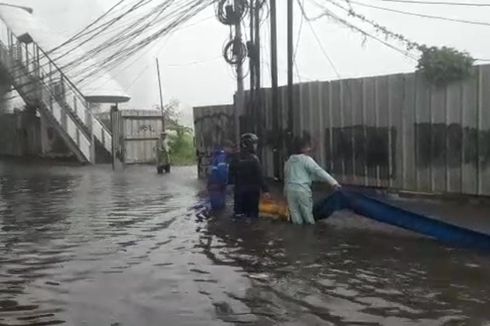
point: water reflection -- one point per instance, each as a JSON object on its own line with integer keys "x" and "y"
{"x": 85, "y": 246}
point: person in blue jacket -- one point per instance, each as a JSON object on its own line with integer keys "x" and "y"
{"x": 218, "y": 176}
{"x": 299, "y": 172}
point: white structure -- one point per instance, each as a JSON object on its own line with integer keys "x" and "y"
{"x": 43, "y": 83}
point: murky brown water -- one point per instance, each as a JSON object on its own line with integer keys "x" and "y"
{"x": 85, "y": 246}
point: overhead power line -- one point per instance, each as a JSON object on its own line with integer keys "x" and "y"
{"x": 444, "y": 3}
{"x": 87, "y": 28}
{"x": 320, "y": 45}
{"x": 144, "y": 28}
{"x": 409, "y": 13}
{"x": 328, "y": 13}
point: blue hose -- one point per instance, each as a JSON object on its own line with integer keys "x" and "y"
{"x": 385, "y": 213}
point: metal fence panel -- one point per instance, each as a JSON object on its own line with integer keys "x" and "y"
{"x": 395, "y": 131}
{"x": 214, "y": 125}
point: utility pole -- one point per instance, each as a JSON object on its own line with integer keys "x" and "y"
{"x": 161, "y": 95}
{"x": 254, "y": 101}
{"x": 275, "y": 94}
{"x": 240, "y": 94}
{"x": 258, "y": 97}
{"x": 251, "y": 47}
{"x": 290, "y": 74}
{"x": 258, "y": 8}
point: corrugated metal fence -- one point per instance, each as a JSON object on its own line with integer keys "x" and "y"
{"x": 213, "y": 126}
{"x": 394, "y": 131}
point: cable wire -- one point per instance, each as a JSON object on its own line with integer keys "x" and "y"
{"x": 322, "y": 48}
{"x": 409, "y": 13}
{"x": 444, "y": 3}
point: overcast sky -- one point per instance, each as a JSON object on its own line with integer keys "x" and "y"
{"x": 194, "y": 73}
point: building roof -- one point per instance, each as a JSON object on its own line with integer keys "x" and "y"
{"x": 100, "y": 87}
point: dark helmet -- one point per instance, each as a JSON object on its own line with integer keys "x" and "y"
{"x": 248, "y": 142}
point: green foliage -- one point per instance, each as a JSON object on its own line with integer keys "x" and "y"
{"x": 442, "y": 66}
{"x": 183, "y": 151}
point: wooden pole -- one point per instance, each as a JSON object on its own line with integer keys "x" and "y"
{"x": 161, "y": 95}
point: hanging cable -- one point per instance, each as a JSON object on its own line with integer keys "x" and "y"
{"x": 444, "y": 3}
{"x": 87, "y": 28}
{"x": 409, "y": 13}
{"x": 328, "y": 13}
{"x": 229, "y": 14}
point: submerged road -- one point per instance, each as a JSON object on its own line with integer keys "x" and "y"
{"x": 86, "y": 246}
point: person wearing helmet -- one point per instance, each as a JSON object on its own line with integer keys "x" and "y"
{"x": 246, "y": 175}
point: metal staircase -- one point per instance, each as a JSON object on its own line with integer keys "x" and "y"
{"x": 43, "y": 85}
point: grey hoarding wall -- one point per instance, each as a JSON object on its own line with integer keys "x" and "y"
{"x": 394, "y": 131}
{"x": 213, "y": 126}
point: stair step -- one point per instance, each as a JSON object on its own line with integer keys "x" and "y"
{"x": 51, "y": 93}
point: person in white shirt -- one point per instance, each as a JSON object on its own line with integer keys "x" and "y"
{"x": 300, "y": 171}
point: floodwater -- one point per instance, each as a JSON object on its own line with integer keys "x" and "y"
{"x": 85, "y": 246}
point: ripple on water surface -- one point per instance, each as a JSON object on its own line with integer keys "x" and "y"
{"x": 86, "y": 246}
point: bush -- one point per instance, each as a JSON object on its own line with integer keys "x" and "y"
{"x": 442, "y": 66}
{"x": 183, "y": 151}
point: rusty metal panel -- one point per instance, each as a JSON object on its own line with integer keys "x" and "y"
{"x": 213, "y": 126}
{"x": 267, "y": 157}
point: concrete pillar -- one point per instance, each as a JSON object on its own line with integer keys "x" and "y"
{"x": 45, "y": 145}
{"x": 30, "y": 132}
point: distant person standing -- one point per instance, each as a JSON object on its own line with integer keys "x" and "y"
{"x": 300, "y": 171}
{"x": 163, "y": 153}
{"x": 246, "y": 175}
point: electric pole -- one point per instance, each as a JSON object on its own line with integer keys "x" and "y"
{"x": 253, "y": 46}
{"x": 240, "y": 94}
{"x": 290, "y": 75}
{"x": 251, "y": 59}
{"x": 256, "y": 55}
{"x": 275, "y": 91}
{"x": 161, "y": 95}
{"x": 234, "y": 51}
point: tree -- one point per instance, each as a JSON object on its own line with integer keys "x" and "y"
{"x": 444, "y": 65}
{"x": 181, "y": 144}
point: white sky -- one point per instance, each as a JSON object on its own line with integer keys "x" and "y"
{"x": 194, "y": 73}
